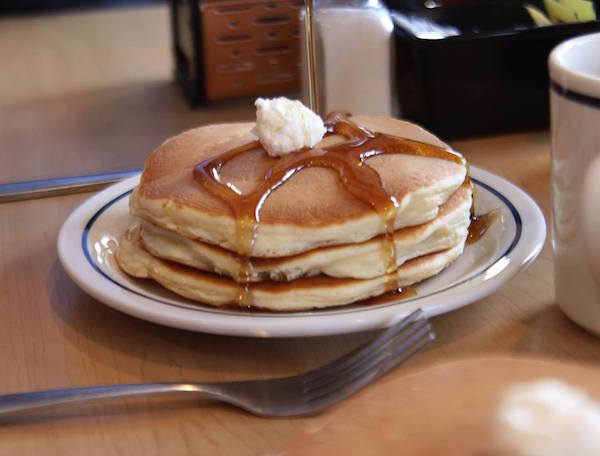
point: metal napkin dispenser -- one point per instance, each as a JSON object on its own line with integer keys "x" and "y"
{"x": 243, "y": 48}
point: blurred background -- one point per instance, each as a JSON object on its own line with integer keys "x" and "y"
{"x": 93, "y": 86}
{"x": 89, "y": 88}
{"x": 20, "y": 7}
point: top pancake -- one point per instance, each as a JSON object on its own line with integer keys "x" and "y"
{"x": 310, "y": 210}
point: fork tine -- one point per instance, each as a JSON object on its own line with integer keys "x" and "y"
{"x": 328, "y": 400}
{"x": 374, "y": 353}
{"x": 394, "y": 354}
{"x": 398, "y": 358}
{"x": 365, "y": 351}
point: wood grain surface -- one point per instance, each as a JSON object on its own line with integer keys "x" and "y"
{"x": 91, "y": 92}
{"x": 437, "y": 410}
{"x": 53, "y": 335}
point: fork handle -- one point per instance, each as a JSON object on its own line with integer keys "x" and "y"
{"x": 15, "y": 404}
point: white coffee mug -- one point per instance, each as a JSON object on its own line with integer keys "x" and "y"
{"x": 575, "y": 112}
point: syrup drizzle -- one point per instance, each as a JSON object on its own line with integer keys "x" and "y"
{"x": 347, "y": 159}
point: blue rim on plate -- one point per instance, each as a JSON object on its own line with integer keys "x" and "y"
{"x": 205, "y": 308}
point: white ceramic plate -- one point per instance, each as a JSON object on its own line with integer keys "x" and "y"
{"x": 89, "y": 236}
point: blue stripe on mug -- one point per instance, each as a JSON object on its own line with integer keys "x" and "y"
{"x": 577, "y": 97}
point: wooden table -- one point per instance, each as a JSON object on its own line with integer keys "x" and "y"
{"x": 66, "y": 118}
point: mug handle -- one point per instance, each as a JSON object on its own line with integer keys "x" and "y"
{"x": 590, "y": 218}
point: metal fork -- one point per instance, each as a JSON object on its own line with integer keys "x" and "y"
{"x": 303, "y": 394}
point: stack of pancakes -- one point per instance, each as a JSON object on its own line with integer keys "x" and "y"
{"x": 316, "y": 245}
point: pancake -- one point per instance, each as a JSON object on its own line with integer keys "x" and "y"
{"x": 361, "y": 261}
{"x": 311, "y": 210}
{"x": 302, "y": 294}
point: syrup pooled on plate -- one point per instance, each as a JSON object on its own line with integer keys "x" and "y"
{"x": 479, "y": 225}
{"x": 347, "y": 159}
{"x": 391, "y": 296}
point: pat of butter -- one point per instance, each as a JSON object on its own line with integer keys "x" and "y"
{"x": 284, "y": 126}
{"x": 547, "y": 417}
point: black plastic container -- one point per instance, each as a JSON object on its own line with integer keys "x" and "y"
{"x": 492, "y": 77}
